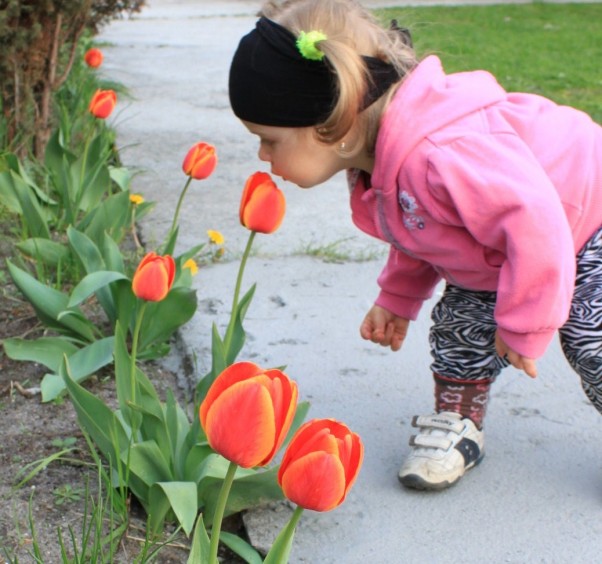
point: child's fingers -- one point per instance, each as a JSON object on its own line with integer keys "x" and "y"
{"x": 529, "y": 367}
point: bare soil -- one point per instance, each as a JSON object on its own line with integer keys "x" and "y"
{"x": 31, "y": 431}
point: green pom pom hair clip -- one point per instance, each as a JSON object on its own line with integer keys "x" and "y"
{"x": 306, "y": 43}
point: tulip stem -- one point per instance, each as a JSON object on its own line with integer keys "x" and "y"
{"x": 234, "y": 312}
{"x": 292, "y": 524}
{"x": 280, "y": 551}
{"x": 179, "y": 204}
{"x": 219, "y": 511}
{"x": 134, "y": 352}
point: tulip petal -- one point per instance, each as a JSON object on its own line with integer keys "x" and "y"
{"x": 240, "y": 424}
{"x": 200, "y": 161}
{"x": 351, "y": 452}
{"x": 312, "y": 435}
{"x": 151, "y": 282}
{"x": 315, "y": 481}
{"x": 234, "y": 373}
{"x": 154, "y": 277}
{"x": 252, "y": 182}
{"x": 265, "y": 209}
{"x": 284, "y": 399}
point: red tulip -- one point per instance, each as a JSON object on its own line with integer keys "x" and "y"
{"x": 154, "y": 277}
{"x": 93, "y": 57}
{"x": 200, "y": 161}
{"x": 248, "y": 412}
{"x": 262, "y": 205}
{"x": 102, "y": 103}
{"x": 320, "y": 464}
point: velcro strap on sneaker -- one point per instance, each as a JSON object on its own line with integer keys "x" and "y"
{"x": 430, "y": 441}
{"x": 436, "y": 422}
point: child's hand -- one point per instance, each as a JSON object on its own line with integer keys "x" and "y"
{"x": 527, "y": 365}
{"x": 385, "y": 328}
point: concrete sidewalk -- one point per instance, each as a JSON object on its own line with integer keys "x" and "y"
{"x": 537, "y": 497}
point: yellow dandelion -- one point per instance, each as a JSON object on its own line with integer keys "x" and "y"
{"x": 215, "y": 237}
{"x": 192, "y": 265}
{"x": 136, "y": 199}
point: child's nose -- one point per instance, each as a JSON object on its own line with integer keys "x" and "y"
{"x": 263, "y": 154}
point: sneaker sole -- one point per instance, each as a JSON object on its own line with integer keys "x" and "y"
{"x": 416, "y": 482}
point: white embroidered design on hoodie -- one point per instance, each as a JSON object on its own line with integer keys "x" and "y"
{"x": 411, "y": 220}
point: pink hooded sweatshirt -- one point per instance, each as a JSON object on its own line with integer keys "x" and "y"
{"x": 487, "y": 189}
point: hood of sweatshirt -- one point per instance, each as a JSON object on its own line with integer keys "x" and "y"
{"x": 426, "y": 101}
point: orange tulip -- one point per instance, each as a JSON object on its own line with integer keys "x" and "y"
{"x": 154, "y": 277}
{"x": 247, "y": 413}
{"x": 262, "y": 205}
{"x": 103, "y": 103}
{"x": 320, "y": 464}
{"x": 93, "y": 57}
{"x": 200, "y": 161}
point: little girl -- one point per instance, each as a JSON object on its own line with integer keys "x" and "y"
{"x": 497, "y": 193}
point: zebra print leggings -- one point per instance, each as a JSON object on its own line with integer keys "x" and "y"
{"x": 462, "y": 337}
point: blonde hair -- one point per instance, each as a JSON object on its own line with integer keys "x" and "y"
{"x": 351, "y": 31}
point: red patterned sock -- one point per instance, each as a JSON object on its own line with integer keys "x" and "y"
{"x": 464, "y": 397}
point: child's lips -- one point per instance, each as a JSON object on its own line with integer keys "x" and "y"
{"x": 278, "y": 174}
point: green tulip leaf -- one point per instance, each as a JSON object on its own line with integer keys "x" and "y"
{"x": 201, "y": 545}
{"x": 96, "y": 181}
{"x": 92, "y": 260}
{"x": 111, "y": 216}
{"x": 197, "y": 460}
{"x": 97, "y": 419}
{"x": 56, "y": 155}
{"x": 111, "y": 253}
{"x": 7, "y": 192}
{"x": 91, "y": 283}
{"x": 241, "y": 547}
{"x": 83, "y": 363}
{"x": 249, "y": 489}
{"x": 49, "y": 303}
{"x": 148, "y": 463}
{"x": 164, "y": 317}
{"x": 121, "y": 176}
{"x": 44, "y": 251}
{"x": 170, "y": 244}
{"x": 218, "y": 364}
{"x": 30, "y": 209}
{"x": 48, "y": 351}
{"x": 86, "y": 250}
{"x": 180, "y": 497}
{"x": 178, "y": 428}
{"x": 238, "y": 333}
{"x": 125, "y": 382}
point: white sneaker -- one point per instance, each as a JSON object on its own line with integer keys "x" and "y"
{"x": 446, "y": 446}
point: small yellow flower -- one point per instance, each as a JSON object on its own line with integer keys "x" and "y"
{"x": 136, "y": 199}
{"x": 192, "y": 265}
{"x": 215, "y": 237}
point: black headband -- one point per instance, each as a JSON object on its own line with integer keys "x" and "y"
{"x": 271, "y": 83}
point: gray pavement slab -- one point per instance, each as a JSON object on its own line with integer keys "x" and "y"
{"x": 536, "y": 497}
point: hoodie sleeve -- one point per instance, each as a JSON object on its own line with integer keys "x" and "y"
{"x": 493, "y": 186}
{"x": 405, "y": 283}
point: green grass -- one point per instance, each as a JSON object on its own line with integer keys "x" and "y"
{"x": 549, "y": 49}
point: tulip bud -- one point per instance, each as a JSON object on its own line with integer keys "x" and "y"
{"x": 93, "y": 57}
{"x": 248, "y": 412}
{"x": 320, "y": 464}
{"x": 154, "y": 277}
{"x": 200, "y": 161}
{"x": 103, "y": 103}
{"x": 262, "y": 205}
